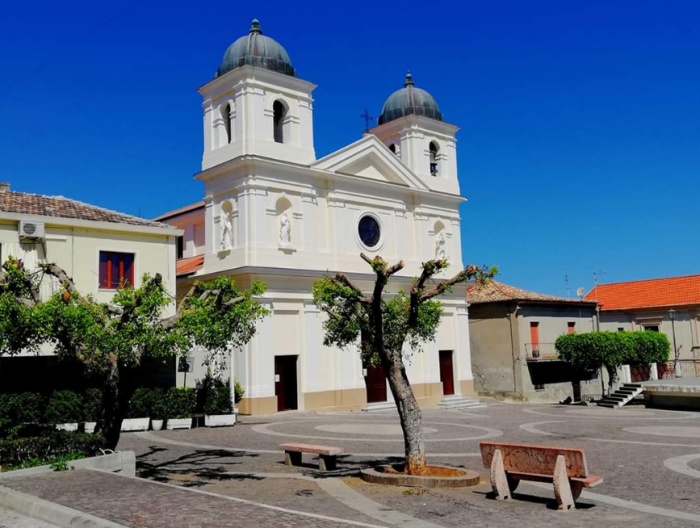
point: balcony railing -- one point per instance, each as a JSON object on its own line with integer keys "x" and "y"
{"x": 540, "y": 352}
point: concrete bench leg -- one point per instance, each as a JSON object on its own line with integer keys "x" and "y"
{"x": 292, "y": 458}
{"x": 562, "y": 487}
{"x": 499, "y": 479}
{"x": 326, "y": 462}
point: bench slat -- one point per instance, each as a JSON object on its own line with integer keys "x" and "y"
{"x": 535, "y": 459}
{"x": 311, "y": 448}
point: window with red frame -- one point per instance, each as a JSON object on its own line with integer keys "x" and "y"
{"x": 116, "y": 270}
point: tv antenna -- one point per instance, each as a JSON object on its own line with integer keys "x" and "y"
{"x": 566, "y": 282}
{"x": 596, "y": 274}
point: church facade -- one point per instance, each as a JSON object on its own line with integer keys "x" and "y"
{"x": 274, "y": 211}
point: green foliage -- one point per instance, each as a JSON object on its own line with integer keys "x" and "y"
{"x": 92, "y": 405}
{"x": 24, "y": 408}
{"x": 214, "y": 396}
{"x": 16, "y": 451}
{"x": 64, "y": 407}
{"x": 592, "y": 351}
{"x": 140, "y": 403}
{"x": 238, "y": 391}
{"x": 60, "y": 463}
{"x": 181, "y": 402}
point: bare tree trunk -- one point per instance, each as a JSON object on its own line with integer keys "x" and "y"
{"x": 409, "y": 414}
{"x": 115, "y": 402}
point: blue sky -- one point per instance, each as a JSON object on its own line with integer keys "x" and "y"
{"x": 579, "y": 147}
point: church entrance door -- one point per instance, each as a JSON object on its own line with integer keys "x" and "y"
{"x": 447, "y": 375}
{"x": 286, "y": 383}
{"x": 375, "y": 381}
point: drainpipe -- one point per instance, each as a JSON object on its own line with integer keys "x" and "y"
{"x": 512, "y": 319}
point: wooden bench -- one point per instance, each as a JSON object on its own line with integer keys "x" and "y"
{"x": 326, "y": 454}
{"x": 563, "y": 466}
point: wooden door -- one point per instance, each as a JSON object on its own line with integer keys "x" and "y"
{"x": 286, "y": 383}
{"x": 375, "y": 382}
{"x": 447, "y": 375}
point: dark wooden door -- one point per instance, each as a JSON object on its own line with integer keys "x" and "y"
{"x": 447, "y": 375}
{"x": 375, "y": 381}
{"x": 286, "y": 382}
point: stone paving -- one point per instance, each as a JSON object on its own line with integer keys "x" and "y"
{"x": 649, "y": 459}
{"x": 11, "y": 519}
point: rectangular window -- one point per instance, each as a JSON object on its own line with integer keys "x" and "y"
{"x": 535, "y": 339}
{"x": 651, "y": 328}
{"x": 571, "y": 327}
{"x": 180, "y": 247}
{"x": 620, "y": 329}
{"x": 116, "y": 270}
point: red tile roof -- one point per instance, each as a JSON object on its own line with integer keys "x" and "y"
{"x": 495, "y": 291}
{"x": 181, "y": 210}
{"x": 60, "y": 207}
{"x": 189, "y": 265}
{"x": 652, "y": 293}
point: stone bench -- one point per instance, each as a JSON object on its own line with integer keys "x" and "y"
{"x": 563, "y": 466}
{"x": 326, "y": 454}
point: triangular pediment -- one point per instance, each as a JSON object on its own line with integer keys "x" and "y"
{"x": 370, "y": 158}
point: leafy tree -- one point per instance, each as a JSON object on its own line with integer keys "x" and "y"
{"x": 383, "y": 325}
{"x": 114, "y": 339}
{"x": 595, "y": 350}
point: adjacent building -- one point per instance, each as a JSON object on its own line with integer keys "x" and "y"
{"x": 100, "y": 249}
{"x": 670, "y": 305}
{"x": 274, "y": 211}
{"x": 512, "y": 334}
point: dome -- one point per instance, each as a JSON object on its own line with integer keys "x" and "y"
{"x": 409, "y": 100}
{"x": 258, "y": 50}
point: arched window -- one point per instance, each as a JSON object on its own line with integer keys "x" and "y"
{"x": 279, "y": 113}
{"x": 226, "y": 114}
{"x": 433, "y": 158}
{"x": 392, "y": 148}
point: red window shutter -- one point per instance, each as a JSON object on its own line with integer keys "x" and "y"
{"x": 128, "y": 275}
{"x": 571, "y": 328}
{"x": 535, "y": 335}
{"x": 104, "y": 269}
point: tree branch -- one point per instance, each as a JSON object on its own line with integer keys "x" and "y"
{"x": 342, "y": 279}
{"x": 464, "y": 275}
{"x": 395, "y": 268}
{"x": 56, "y": 271}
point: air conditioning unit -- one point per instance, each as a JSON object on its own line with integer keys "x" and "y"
{"x": 31, "y": 230}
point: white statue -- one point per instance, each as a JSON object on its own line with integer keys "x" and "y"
{"x": 285, "y": 230}
{"x": 440, "y": 246}
{"x": 226, "y": 230}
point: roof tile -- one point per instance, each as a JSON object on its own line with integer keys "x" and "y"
{"x": 651, "y": 293}
{"x": 494, "y": 291}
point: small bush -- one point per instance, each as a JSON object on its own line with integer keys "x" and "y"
{"x": 92, "y": 405}
{"x": 180, "y": 402}
{"x": 157, "y": 404}
{"x": 24, "y": 408}
{"x": 214, "y": 396}
{"x": 139, "y": 403}
{"x": 238, "y": 391}
{"x": 64, "y": 407}
{"x": 19, "y": 450}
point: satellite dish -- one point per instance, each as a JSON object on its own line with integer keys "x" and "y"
{"x": 580, "y": 292}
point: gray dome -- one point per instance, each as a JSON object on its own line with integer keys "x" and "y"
{"x": 409, "y": 100}
{"x": 258, "y": 50}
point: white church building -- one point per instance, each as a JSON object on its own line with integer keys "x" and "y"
{"x": 274, "y": 211}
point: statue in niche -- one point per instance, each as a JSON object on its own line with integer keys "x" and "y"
{"x": 226, "y": 230}
{"x": 285, "y": 230}
{"x": 440, "y": 243}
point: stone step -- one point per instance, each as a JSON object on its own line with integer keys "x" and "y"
{"x": 608, "y": 405}
{"x": 632, "y": 385}
{"x": 460, "y": 402}
{"x": 380, "y": 406}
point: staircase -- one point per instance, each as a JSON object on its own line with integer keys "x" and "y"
{"x": 460, "y": 402}
{"x": 621, "y": 396}
{"x": 380, "y": 406}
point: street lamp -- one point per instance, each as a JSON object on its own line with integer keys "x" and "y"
{"x": 672, "y": 315}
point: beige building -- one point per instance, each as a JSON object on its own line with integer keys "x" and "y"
{"x": 100, "y": 249}
{"x": 512, "y": 334}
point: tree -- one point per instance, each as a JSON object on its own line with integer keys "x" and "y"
{"x": 591, "y": 351}
{"x": 113, "y": 340}
{"x": 383, "y": 325}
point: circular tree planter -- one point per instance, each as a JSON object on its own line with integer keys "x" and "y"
{"x": 438, "y": 477}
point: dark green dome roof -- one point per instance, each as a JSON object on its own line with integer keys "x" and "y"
{"x": 258, "y": 50}
{"x": 409, "y": 100}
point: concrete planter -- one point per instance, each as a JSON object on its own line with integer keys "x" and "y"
{"x": 67, "y": 426}
{"x": 179, "y": 423}
{"x": 157, "y": 425}
{"x": 89, "y": 427}
{"x": 219, "y": 420}
{"x": 135, "y": 424}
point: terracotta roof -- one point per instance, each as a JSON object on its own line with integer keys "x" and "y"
{"x": 189, "y": 265}
{"x": 495, "y": 291}
{"x": 651, "y": 293}
{"x": 181, "y": 210}
{"x": 60, "y": 207}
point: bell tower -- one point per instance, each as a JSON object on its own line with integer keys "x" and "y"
{"x": 412, "y": 127}
{"x": 256, "y": 105}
